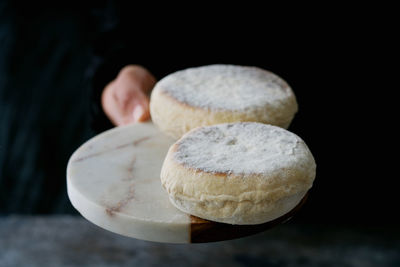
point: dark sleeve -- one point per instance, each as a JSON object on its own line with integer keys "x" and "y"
{"x": 109, "y": 53}
{"x": 117, "y": 40}
{"x": 103, "y": 70}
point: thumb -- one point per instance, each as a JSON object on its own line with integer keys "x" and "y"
{"x": 141, "y": 110}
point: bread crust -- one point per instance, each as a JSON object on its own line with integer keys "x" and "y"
{"x": 176, "y": 117}
{"x": 233, "y": 197}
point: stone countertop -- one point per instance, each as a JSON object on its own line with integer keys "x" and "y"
{"x": 73, "y": 241}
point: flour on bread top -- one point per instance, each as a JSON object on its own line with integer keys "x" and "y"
{"x": 242, "y": 148}
{"x": 226, "y": 87}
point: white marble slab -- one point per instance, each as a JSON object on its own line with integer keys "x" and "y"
{"x": 113, "y": 181}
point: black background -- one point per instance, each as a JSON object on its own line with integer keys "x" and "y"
{"x": 328, "y": 56}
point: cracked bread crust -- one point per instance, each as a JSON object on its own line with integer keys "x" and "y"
{"x": 242, "y": 194}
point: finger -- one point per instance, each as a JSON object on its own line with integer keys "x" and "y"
{"x": 110, "y": 105}
{"x": 124, "y": 100}
{"x": 135, "y": 107}
{"x": 141, "y": 111}
{"x": 136, "y": 74}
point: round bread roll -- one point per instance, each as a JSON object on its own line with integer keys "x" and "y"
{"x": 238, "y": 173}
{"x": 219, "y": 94}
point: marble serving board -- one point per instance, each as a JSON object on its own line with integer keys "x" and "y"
{"x": 113, "y": 180}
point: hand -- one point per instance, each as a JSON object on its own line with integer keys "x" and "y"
{"x": 124, "y": 100}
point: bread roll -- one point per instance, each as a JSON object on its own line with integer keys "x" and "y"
{"x": 238, "y": 173}
{"x": 219, "y": 94}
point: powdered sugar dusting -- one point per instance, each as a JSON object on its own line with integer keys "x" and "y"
{"x": 244, "y": 148}
{"x": 227, "y": 87}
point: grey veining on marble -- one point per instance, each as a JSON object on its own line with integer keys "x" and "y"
{"x": 73, "y": 241}
{"x": 114, "y": 181}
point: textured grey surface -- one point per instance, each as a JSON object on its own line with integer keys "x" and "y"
{"x": 73, "y": 241}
